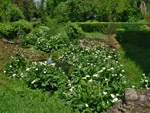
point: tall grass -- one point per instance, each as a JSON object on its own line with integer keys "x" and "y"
{"x": 15, "y": 97}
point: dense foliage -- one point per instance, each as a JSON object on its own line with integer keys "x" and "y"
{"x": 37, "y": 75}
{"x": 15, "y": 29}
{"x": 14, "y": 13}
{"x": 46, "y": 41}
{"x": 74, "y": 31}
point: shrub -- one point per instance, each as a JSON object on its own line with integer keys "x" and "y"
{"x": 138, "y": 38}
{"x": 16, "y": 29}
{"x": 45, "y": 40}
{"x": 21, "y": 28}
{"x": 14, "y": 13}
{"x": 103, "y": 26}
{"x": 74, "y": 31}
{"x": 6, "y": 30}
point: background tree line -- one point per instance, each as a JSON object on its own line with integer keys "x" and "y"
{"x": 71, "y": 10}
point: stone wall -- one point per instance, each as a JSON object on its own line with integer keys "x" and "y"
{"x": 135, "y": 101}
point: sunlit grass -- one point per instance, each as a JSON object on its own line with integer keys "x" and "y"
{"x": 15, "y": 97}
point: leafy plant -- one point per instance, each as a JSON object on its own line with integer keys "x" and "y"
{"x": 5, "y": 30}
{"x": 36, "y": 75}
{"x": 14, "y": 13}
{"x": 21, "y": 28}
{"x": 74, "y": 31}
{"x": 95, "y": 80}
{"x": 45, "y": 41}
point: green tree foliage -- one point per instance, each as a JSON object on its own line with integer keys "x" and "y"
{"x": 28, "y": 8}
{"x": 96, "y": 10}
{"x": 3, "y": 9}
{"x": 14, "y": 13}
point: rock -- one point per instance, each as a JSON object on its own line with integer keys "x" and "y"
{"x": 130, "y": 94}
{"x": 135, "y": 101}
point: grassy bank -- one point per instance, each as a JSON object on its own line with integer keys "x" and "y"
{"x": 15, "y": 97}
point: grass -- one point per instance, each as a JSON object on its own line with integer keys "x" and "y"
{"x": 134, "y": 52}
{"x": 15, "y": 97}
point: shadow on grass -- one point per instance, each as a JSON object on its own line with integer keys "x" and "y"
{"x": 136, "y": 45}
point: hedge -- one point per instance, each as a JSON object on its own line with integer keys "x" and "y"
{"x": 138, "y": 38}
{"x": 105, "y": 27}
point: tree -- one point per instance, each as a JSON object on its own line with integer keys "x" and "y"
{"x": 3, "y": 9}
{"x": 27, "y": 6}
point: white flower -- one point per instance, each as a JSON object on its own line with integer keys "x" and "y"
{"x": 112, "y": 68}
{"x": 121, "y": 75}
{"x": 69, "y": 84}
{"x": 106, "y": 79}
{"x": 114, "y": 100}
{"x": 125, "y": 82}
{"x": 95, "y": 75}
{"x": 143, "y": 74}
{"x": 146, "y": 80}
{"x": 104, "y": 68}
{"x": 105, "y": 93}
{"x": 90, "y": 80}
{"x": 33, "y": 81}
{"x": 36, "y": 69}
{"x": 87, "y": 76}
{"x": 109, "y": 56}
{"x": 117, "y": 94}
{"x": 28, "y": 69}
{"x": 79, "y": 66}
{"x": 100, "y": 71}
{"x": 4, "y": 71}
{"x": 87, "y": 105}
{"x": 44, "y": 72}
{"x": 133, "y": 86}
{"x": 84, "y": 77}
{"x": 52, "y": 64}
{"x": 72, "y": 89}
{"x": 112, "y": 95}
{"x": 122, "y": 71}
{"x": 10, "y": 66}
{"x": 14, "y": 75}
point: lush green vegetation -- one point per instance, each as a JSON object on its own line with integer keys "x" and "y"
{"x": 16, "y": 97}
{"x": 86, "y": 71}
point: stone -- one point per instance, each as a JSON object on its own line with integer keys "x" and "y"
{"x": 135, "y": 101}
{"x": 130, "y": 94}
{"x": 142, "y": 98}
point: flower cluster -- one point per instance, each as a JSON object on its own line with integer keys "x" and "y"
{"x": 145, "y": 82}
{"x": 39, "y": 75}
{"x": 44, "y": 41}
{"x": 96, "y": 78}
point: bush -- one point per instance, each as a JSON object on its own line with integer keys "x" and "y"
{"x": 21, "y": 28}
{"x": 14, "y": 13}
{"x": 102, "y": 26}
{"x": 45, "y": 40}
{"x": 16, "y": 29}
{"x": 138, "y": 38}
{"x": 74, "y": 31}
{"x": 6, "y": 30}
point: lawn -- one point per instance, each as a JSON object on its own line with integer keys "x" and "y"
{"x": 16, "y": 97}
